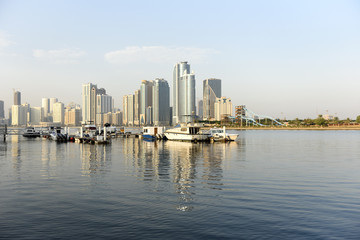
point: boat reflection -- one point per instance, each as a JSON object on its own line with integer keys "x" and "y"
{"x": 187, "y": 165}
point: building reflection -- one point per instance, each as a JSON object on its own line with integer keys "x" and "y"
{"x": 187, "y": 165}
{"x": 149, "y": 159}
{"x": 16, "y": 153}
{"x": 95, "y": 159}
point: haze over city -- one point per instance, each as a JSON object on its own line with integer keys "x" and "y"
{"x": 279, "y": 58}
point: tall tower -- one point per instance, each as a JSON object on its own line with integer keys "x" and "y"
{"x": 89, "y": 92}
{"x": 161, "y": 102}
{"x": 184, "y": 105}
{"x": 145, "y": 100}
{"x": 45, "y": 104}
{"x": 17, "y": 98}
{"x": 52, "y": 101}
{"x": 211, "y": 91}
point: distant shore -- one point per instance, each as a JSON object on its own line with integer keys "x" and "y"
{"x": 297, "y": 128}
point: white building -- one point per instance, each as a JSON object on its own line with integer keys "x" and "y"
{"x": 52, "y": 101}
{"x": 19, "y": 114}
{"x": 58, "y": 113}
{"x": 45, "y": 104}
{"x": 223, "y": 108}
{"x": 184, "y": 104}
{"x": 128, "y": 106}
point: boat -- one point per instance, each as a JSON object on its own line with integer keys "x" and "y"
{"x": 56, "y": 135}
{"x": 187, "y": 132}
{"x": 220, "y": 134}
{"x": 153, "y": 133}
{"x": 30, "y": 132}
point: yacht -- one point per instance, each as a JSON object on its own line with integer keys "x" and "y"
{"x": 187, "y": 132}
{"x": 30, "y": 132}
{"x": 56, "y": 135}
{"x": 219, "y": 134}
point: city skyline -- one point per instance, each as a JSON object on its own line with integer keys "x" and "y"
{"x": 283, "y": 59}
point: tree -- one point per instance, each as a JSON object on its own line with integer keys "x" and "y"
{"x": 358, "y": 119}
{"x": 321, "y": 121}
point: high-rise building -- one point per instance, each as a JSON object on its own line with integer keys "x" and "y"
{"x": 184, "y": 106}
{"x": 128, "y": 106}
{"x": 200, "y": 109}
{"x": 104, "y": 103}
{"x": 36, "y": 115}
{"x": 211, "y": 91}
{"x": 45, "y": 104}
{"x": 160, "y": 102}
{"x": 223, "y": 108}
{"x": 117, "y": 119}
{"x": 19, "y": 114}
{"x": 137, "y": 101}
{"x": 2, "y": 112}
{"x": 52, "y": 101}
{"x": 72, "y": 115}
{"x": 145, "y": 101}
{"x": 104, "y": 107}
{"x": 89, "y": 102}
{"x": 125, "y": 109}
{"x": 17, "y": 98}
{"x": 87, "y": 95}
{"x": 58, "y": 113}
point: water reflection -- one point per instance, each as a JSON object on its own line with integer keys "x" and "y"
{"x": 95, "y": 159}
{"x": 16, "y": 153}
{"x": 189, "y": 166}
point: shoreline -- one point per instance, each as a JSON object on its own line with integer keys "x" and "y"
{"x": 295, "y": 128}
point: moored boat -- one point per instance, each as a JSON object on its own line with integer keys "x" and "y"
{"x": 220, "y": 134}
{"x": 30, "y": 132}
{"x": 153, "y": 133}
{"x": 187, "y": 132}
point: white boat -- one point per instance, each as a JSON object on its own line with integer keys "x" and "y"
{"x": 219, "y": 134}
{"x": 152, "y": 133}
{"x": 56, "y": 135}
{"x": 187, "y": 132}
{"x": 31, "y": 132}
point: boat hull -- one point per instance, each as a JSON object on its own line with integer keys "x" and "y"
{"x": 186, "y": 137}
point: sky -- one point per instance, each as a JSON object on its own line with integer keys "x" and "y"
{"x": 285, "y": 59}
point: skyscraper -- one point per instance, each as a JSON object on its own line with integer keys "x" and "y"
{"x": 2, "y": 112}
{"x": 211, "y": 91}
{"x": 184, "y": 106}
{"x": 104, "y": 107}
{"x": 45, "y": 104}
{"x": 58, "y": 113}
{"x": 89, "y": 102}
{"x": 128, "y": 106}
{"x": 200, "y": 109}
{"x": 137, "y": 100}
{"x": 17, "y": 98}
{"x": 161, "y": 102}
{"x": 145, "y": 101}
{"x": 52, "y": 101}
{"x": 19, "y": 114}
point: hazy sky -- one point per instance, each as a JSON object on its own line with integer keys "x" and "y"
{"x": 279, "y": 58}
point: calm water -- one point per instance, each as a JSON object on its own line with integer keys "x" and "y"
{"x": 267, "y": 185}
